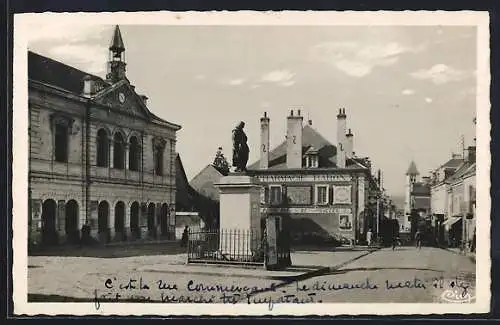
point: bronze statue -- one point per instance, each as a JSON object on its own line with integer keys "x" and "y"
{"x": 240, "y": 148}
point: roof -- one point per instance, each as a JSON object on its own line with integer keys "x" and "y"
{"x": 204, "y": 182}
{"x": 453, "y": 163}
{"x": 412, "y": 169}
{"x": 422, "y": 203}
{"x": 117, "y": 41}
{"x": 55, "y": 73}
{"x": 465, "y": 169}
{"x": 310, "y": 138}
{"x": 421, "y": 189}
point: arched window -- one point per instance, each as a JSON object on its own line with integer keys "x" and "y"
{"x": 134, "y": 154}
{"x": 159, "y": 161}
{"x": 118, "y": 152}
{"x": 102, "y": 144}
{"x": 159, "y": 150}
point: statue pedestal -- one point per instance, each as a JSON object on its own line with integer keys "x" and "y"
{"x": 240, "y": 232}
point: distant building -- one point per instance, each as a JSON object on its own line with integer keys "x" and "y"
{"x": 326, "y": 190}
{"x": 453, "y": 198}
{"x": 205, "y": 205}
{"x": 417, "y": 199}
{"x": 204, "y": 182}
{"x": 98, "y": 155}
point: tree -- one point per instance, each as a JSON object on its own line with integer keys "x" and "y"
{"x": 220, "y": 163}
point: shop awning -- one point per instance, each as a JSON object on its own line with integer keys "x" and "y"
{"x": 451, "y": 221}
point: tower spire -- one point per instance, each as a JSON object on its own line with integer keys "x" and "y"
{"x": 116, "y": 63}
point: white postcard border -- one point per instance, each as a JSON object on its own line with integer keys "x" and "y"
{"x": 348, "y": 18}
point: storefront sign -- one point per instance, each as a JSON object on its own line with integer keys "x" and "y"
{"x": 299, "y": 195}
{"x": 342, "y": 194}
{"x": 303, "y": 178}
{"x": 306, "y": 210}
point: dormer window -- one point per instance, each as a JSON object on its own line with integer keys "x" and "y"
{"x": 312, "y": 159}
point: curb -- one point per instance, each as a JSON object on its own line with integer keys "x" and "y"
{"x": 312, "y": 272}
{"x": 470, "y": 257}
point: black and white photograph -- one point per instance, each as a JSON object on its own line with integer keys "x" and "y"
{"x": 279, "y": 163}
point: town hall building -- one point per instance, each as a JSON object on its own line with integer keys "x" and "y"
{"x": 98, "y": 156}
{"x": 326, "y": 191}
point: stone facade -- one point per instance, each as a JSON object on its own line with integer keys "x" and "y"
{"x": 99, "y": 157}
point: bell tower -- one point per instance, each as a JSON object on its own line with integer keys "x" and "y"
{"x": 116, "y": 63}
{"x": 411, "y": 178}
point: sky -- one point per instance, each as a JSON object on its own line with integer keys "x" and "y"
{"x": 409, "y": 91}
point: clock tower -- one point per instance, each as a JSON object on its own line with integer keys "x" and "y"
{"x": 116, "y": 63}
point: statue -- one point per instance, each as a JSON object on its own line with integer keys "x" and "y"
{"x": 240, "y": 148}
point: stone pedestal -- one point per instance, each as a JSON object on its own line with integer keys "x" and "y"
{"x": 239, "y": 215}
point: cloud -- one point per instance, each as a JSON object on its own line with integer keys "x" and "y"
{"x": 440, "y": 74}
{"x": 236, "y": 82}
{"x": 280, "y": 77}
{"x": 428, "y": 100}
{"x": 408, "y": 92}
{"x": 90, "y": 58}
{"x": 200, "y": 77}
{"x": 358, "y": 60}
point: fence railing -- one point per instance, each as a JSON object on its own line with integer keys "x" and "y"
{"x": 225, "y": 246}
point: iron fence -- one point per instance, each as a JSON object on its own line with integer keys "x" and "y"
{"x": 225, "y": 246}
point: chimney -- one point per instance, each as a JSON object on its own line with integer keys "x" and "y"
{"x": 294, "y": 140}
{"x": 264, "y": 141}
{"x": 144, "y": 99}
{"x": 88, "y": 86}
{"x": 341, "y": 138}
{"x": 471, "y": 154}
{"x": 349, "y": 145}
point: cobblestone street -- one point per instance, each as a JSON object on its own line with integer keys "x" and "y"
{"x": 166, "y": 278}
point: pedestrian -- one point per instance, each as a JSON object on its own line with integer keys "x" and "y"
{"x": 369, "y": 235}
{"x": 394, "y": 241}
{"x": 418, "y": 239}
{"x": 185, "y": 235}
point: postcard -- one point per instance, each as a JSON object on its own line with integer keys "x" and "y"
{"x": 251, "y": 163}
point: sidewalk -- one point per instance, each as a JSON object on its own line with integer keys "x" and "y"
{"x": 456, "y": 250}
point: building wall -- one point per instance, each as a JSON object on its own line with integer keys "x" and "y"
{"x": 470, "y": 181}
{"x": 322, "y": 219}
{"x": 439, "y": 199}
{"x": 63, "y": 182}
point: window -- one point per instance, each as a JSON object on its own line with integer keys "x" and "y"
{"x": 314, "y": 161}
{"x": 275, "y": 194}
{"x": 119, "y": 152}
{"x": 321, "y": 194}
{"x": 61, "y": 142}
{"x": 158, "y": 154}
{"x": 159, "y": 161}
{"x": 102, "y": 148}
{"x": 134, "y": 154}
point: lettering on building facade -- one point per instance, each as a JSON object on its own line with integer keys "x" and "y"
{"x": 315, "y": 210}
{"x": 303, "y": 178}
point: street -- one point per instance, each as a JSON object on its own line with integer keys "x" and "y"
{"x": 405, "y": 275}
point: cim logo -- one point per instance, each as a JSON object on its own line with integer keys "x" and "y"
{"x": 457, "y": 291}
